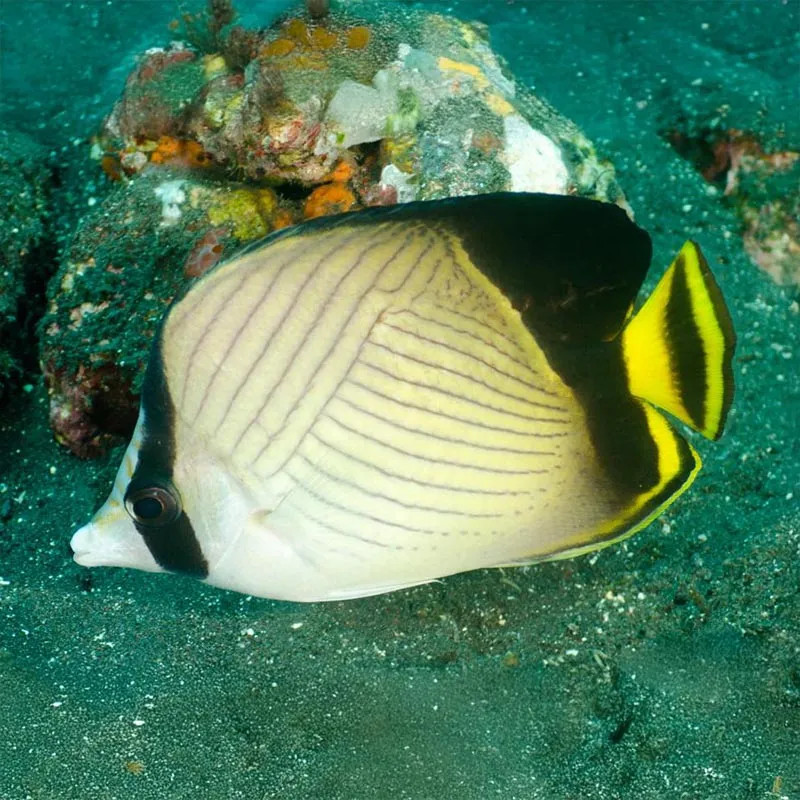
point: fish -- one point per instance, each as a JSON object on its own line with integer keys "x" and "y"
{"x": 384, "y": 398}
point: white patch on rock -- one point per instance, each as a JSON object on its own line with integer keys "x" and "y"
{"x": 171, "y": 195}
{"x": 358, "y": 113}
{"x": 400, "y": 181}
{"x": 134, "y": 161}
{"x": 493, "y": 71}
{"x": 418, "y": 71}
{"x": 533, "y": 160}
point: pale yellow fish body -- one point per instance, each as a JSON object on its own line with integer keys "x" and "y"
{"x": 377, "y": 421}
{"x": 359, "y": 409}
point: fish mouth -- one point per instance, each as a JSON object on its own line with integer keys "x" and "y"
{"x": 109, "y": 540}
{"x": 95, "y": 543}
{"x": 83, "y": 546}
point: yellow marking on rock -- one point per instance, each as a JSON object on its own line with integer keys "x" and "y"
{"x": 498, "y": 104}
{"x": 449, "y": 65}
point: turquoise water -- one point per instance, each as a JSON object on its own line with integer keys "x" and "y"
{"x": 666, "y": 667}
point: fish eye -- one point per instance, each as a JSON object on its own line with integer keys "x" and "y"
{"x": 153, "y": 505}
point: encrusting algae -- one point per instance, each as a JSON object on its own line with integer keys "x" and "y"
{"x": 249, "y": 212}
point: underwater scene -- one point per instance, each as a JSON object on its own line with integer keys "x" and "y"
{"x": 399, "y": 400}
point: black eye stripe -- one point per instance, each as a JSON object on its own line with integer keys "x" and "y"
{"x": 169, "y": 536}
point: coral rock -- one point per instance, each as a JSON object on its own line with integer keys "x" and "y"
{"x": 107, "y": 299}
{"x": 218, "y": 144}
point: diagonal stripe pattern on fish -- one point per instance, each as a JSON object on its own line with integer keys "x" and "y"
{"x": 380, "y": 399}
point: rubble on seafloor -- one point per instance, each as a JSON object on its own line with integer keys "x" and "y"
{"x": 222, "y": 138}
{"x": 24, "y": 218}
{"x": 760, "y": 183}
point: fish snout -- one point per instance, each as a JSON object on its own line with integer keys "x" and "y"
{"x": 111, "y": 540}
{"x": 84, "y": 546}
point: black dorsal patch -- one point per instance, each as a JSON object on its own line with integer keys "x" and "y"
{"x": 570, "y": 265}
{"x": 174, "y": 546}
{"x": 573, "y": 268}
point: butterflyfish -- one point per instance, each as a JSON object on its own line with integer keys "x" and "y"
{"x": 371, "y": 401}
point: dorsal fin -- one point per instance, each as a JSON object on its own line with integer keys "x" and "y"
{"x": 571, "y": 265}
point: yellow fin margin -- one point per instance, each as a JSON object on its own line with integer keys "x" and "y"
{"x": 649, "y": 505}
{"x": 677, "y": 471}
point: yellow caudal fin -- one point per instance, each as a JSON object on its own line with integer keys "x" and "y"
{"x": 679, "y": 346}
